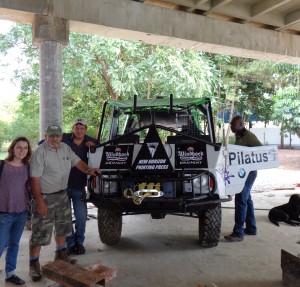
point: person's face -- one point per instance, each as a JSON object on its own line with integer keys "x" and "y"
{"x": 79, "y": 131}
{"x": 54, "y": 140}
{"x": 20, "y": 150}
{"x": 236, "y": 126}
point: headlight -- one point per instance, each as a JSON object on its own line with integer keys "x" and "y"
{"x": 201, "y": 180}
{"x": 109, "y": 187}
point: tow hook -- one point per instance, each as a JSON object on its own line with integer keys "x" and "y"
{"x": 139, "y": 195}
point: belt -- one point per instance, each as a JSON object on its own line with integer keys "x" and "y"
{"x": 57, "y": 192}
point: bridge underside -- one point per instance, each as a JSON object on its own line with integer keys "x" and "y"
{"x": 184, "y": 24}
{"x": 215, "y": 26}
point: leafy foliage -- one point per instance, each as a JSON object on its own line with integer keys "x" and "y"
{"x": 286, "y": 109}
{"x": 97, "y": 69}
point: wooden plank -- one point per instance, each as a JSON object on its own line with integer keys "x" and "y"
{"x": 70, "y": 275}
{"x": 290, "y": 266}
{"x": 108, "y": 272}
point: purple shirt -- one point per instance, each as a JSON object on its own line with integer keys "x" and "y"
{"x": 14, "y": 196}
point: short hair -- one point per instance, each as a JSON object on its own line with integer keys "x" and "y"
{"x": 236, "y": 118}
{"x": 10, "y": 150}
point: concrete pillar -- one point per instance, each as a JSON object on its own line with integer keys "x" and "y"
{"x": 50, "y": 84}
{"x": 50, "y": 34}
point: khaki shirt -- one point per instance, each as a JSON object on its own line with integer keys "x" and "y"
{"x": 52, "y": 166}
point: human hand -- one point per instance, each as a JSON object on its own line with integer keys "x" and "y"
{"x": 89, "y": 144}
{"x": 42, "y": 208}
{"x": 94, "y": 171}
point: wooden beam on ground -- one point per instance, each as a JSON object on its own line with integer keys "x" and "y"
{"x": 290, "y": 266}
{"x": 70, "y": 275}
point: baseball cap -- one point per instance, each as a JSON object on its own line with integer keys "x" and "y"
{"x": 79, "y": 121}
{"x": 54, "y": 130}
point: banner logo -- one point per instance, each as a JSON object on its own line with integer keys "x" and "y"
{"x": 152, "y": 148}
{"x": 117, "y": 157}
{"x": 238, "y": 158}
{"x": 190, "y": 155}
{"x": 152, "y": 155}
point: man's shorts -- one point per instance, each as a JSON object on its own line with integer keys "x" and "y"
{"x": 59, "y": 216}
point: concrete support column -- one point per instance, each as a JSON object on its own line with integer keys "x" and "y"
{"x": 50, "y": 84}
{"x": 50, "y": 34}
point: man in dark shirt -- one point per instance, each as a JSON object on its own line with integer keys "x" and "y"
{"x": 79, "y": 142}
{"x": 244, "y": 209}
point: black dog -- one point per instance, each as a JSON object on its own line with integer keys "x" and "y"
{"x": 288, "y": 213}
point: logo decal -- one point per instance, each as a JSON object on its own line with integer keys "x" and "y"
{"x": 152, "y": 148}
{"x": 152, "y": 155}
{"x": 117, "y": 157}
{"x": 190, "y": 155}
{"x": 242, "y": 173}
{"x": 238, "y": 158}
{"x": 226, "y": 175}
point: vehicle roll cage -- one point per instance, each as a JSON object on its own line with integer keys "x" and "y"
{"x": 205, "y": 108}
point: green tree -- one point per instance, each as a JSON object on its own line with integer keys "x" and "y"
{"x": 96, "y": 69}
{"x": 286, "y": 110}
{"x": 3, "y": 133}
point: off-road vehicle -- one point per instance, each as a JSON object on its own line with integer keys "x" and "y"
{"x": 160, "y": 156}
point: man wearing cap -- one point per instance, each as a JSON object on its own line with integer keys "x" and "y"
{"x": 50, "y": 168}
{"x": 79, "y": 142}
{"x": 244, "y": 208}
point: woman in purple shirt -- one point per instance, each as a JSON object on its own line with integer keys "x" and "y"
{"x": 14, "y": 199}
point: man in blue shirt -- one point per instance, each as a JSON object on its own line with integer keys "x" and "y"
{"x": 79, "y": 142}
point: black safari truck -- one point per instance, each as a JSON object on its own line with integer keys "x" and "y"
{"x": 160, "y": 156}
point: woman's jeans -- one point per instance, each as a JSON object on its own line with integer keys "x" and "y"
{"x": 11, "y": 229}
{"x": 244, "y": 209}
{"x": 80, "y": 214}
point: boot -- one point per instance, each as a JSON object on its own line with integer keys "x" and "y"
{"x": 62, "y": 255}
{"x": 35, "y": 271}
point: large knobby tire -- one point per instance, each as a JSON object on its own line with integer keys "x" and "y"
{"x": 109, "y": 225}
{"x": 210, "y": 225}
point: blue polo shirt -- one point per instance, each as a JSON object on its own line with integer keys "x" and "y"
{"x": 77, "y": 179}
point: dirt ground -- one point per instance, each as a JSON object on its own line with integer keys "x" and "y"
{"x": 289, "y": 159}
{"x": 166, "y": 253}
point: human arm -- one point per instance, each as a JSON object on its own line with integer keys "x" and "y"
{"x": 36, "y": 170}
{"x": 42, "y": 208}
{"x": 82, "y": 166}
{"x": 89, "y": 144}
{"x": 90, "y": 141}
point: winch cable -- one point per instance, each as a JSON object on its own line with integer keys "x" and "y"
{"x": 128, "y": 193}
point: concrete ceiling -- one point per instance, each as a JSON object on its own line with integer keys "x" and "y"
{"x": 277, "y": 15}
{"x": 258, "y": 29}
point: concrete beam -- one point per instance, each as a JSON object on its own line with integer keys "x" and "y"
{"x": 216, "y": 4}
{"x": 290, "y": 20}
{"x": 22, "y": 11}
{"x": 48, "y": 28}
{"x": 266, "y": 6}
{"x": 33, "y": 6}
{"x": 132, "y": 20}
{"x": 195, "y": 4}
